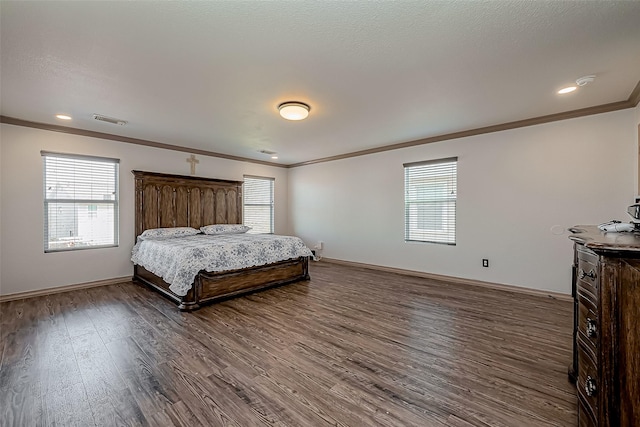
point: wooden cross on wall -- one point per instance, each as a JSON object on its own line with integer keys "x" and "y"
{"x": 193, "y": 162}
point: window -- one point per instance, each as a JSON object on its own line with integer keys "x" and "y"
{"x": 430, "y": 201}
{"x": 80, "y": 202}
{"x": 258, "y": 204}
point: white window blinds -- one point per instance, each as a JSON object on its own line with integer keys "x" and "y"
{"x": 430, "y": 201}
{"x": 80, "y": 202}
{"x": 257, "y": 194}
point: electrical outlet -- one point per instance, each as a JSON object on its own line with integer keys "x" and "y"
{"x": 320, "y": 244}
{"x": 485, "y": 263}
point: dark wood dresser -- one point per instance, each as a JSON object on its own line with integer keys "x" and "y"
{"x": 607, "y": 327}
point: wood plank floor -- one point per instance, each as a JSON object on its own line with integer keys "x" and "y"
{"x": 351, "y": 347}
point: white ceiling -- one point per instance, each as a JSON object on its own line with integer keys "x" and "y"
{"x": 209, "y": 75}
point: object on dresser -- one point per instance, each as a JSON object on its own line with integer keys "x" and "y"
{"x": 634, "y": 211}
{"x": 620, "y": 227}
{"x": 616, "y": 227}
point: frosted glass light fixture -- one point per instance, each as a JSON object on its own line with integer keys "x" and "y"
{"x": 292, "y": 110}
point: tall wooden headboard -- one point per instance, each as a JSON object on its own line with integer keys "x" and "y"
{"x": 164, "y": 200}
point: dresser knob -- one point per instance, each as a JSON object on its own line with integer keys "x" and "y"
{"x": 582, "y": 274}
{"x": 590, "y": 386}
{"x": 591, "y": 328}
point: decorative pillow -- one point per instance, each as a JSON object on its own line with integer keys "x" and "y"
{"x": 167, "y": 233}
{"x": 225, "y": 229}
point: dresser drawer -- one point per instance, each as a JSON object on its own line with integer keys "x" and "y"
{"x": 588, "y": 324}
{"x": 587, "y": 255}
{"x": 588, "y": 282}
{"x": 584, "y": 417}
{"x": 588, "y": 383}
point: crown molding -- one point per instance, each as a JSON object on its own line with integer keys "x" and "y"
{"x": 631, "y": 102}
{"x": 136, "y": 141}
{"x": 598, "y": 109}
{"x": 634, "y": 98}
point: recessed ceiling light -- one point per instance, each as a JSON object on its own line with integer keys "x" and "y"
{"x": 274, "y": 157}
{"x": 293, "y": 110}
{"x": 63, "y": 117}
{"x": 567, "y": 89}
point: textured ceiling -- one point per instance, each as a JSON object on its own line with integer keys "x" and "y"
{"x": 209, "y": 75}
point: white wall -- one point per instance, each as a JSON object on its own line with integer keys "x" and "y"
{"x": 24, "y": 265}
{"x": 513, "y": 188}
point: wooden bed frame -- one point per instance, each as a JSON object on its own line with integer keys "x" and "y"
{"x": 164, "y": 200}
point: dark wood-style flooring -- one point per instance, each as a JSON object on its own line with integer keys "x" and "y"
{"x": 352, "y": 347}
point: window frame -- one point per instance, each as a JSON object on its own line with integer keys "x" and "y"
{"x": 434, "y": 173}
{"x": 271, "y": 204}
{"x": 47, "y": 201}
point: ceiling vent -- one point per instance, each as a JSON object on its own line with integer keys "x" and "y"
{"x": 111, "y": 120}
{"x": 583, "y": 81}
{"x": 271, "y": 153}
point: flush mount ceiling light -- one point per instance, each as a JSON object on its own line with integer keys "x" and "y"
{"x": 292, "y": 110}
{"x": 63, "y": 117}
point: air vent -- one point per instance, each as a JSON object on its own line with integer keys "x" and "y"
{"x": 583, "y": 81}
{"x": 271, "y": 153}
{"x": 111, "y": 120}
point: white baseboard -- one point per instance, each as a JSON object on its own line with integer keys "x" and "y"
{"x": 510, "y": 288}
{"x": 67, "y": 288}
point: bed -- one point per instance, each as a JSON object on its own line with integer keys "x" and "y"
{"x": 168, "y": 201}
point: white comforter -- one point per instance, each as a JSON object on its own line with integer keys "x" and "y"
{"x": 178, "y": 260}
